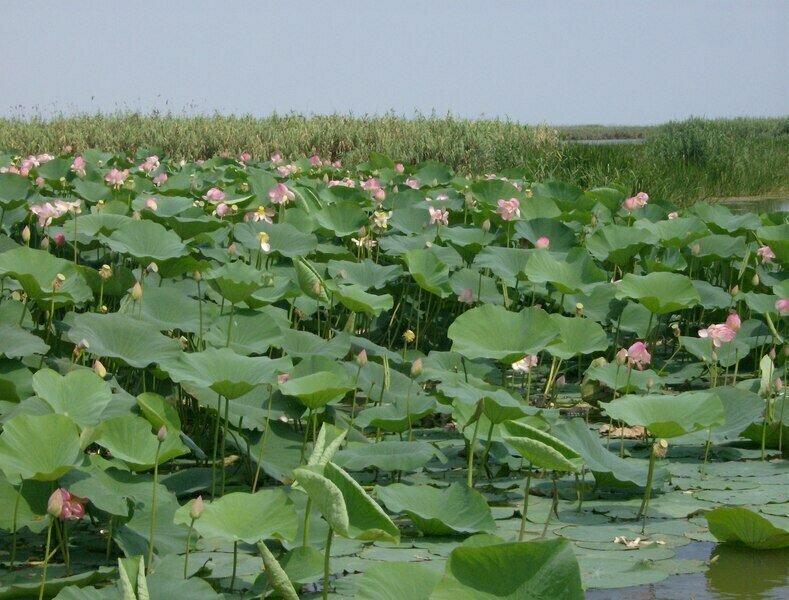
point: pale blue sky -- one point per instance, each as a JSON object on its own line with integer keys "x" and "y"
{"x": 560, "y": 62}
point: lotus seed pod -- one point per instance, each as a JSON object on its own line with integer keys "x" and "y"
{"x": 409, "y": 336}
{"x": 105, "y": 272}
{"x": 659, "y": 448}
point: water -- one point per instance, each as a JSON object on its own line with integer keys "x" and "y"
{"x": 738, "y": 573}
{"x": 756, "y": 205}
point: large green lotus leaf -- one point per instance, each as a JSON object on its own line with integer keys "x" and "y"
{"x": 433, "y": 173}
{"x": 470, "y": 239}
{"x": 119, "y": 284}
{"x": 347, "y": 508}
{"x": 341, "y": 219}
{"x": 310, "y": 281}
{"x": 494, "y": 332}
{"x": 505, "y": 263}
{"x": 367, "y": 274}
{"x": 235, "y": 281}
{"x": 305, "y": 560}
{"x": 284, "y": 238}
{"x": 354, "y": 298}
{"x": 388, "y": 456}
{"x": 490, "y": 191}
{"x": 15, "y": 380}
{"x": 19, "y": 584}
{"x": 608, "y": 468}
{"x": 304, "y": 344}
{"x": 561, "y": 237}
{"x": 484, "y": 289}
{"x": 317, "y": 389}
{"x": 546, "y": 570}
{"x": 130, "y": 439}
{"x": 661, "y": 293}
{"x": 120, "y": 336}
{"x": 30, "y": 503}
{"x": 13, "y": 190}
{"x": 16, "y": 342}
{"x": 720, "y": 246}
{"x": 41, "y": 447}
{"x": 146, "y": 241}
{"x": 252, "y": 332}
{"x": 572, "y": 274}
{"x": 396, "y": 416}
{"x": 36, "y": 270}
{"x": 396, "y": 581}
{"x": 669, "y": 416}
{"x": 712, "y": 296}
{"x": 617, "y": 243}
{"x": 541, "y": 449}
{"x": 728, "y": 354}
{"x": 777, "y": 237}
{"x": 92, "y": 191}
{"x": 170, "y": 309}
{"x": 80, "y": 395}
{"x": 54, "y": 169}
{"x": 244, "y": 517}
{"x": 329, "y": 440}
{"x": 742, "y": 407}
{"x": 159, "y": 411}
{"x": 428, "y": 270}
{"x": 99, "y": 223}
{"x": 166, "y": 206}
{"x": 455, "y": 510}
{"x": 577, "y": 335}
{"x": 675, "y": 233}
{"x": 567, "y": 196}
{"x": 225, "y": 372}
{"x": 742, "y": 526}
{"x": 134, "y": 535}
{"x": 723, "y": 220}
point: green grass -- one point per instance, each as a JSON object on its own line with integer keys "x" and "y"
{"x": 680, "y": 161}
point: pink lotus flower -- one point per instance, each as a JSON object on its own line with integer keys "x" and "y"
{"x": 438, "y": 215}
{"x": 543, "y": 242}
{"x": 638, "y": 201}
{"x": 719, "y": 333}
{"x": 281, "y": 194}
{"x": 412, "y": 183}
{"x": 214, "y": 195}
{"x": 64, "y": 505}
{"x": 64, "y": 206}
{"x": 621, "y": 356}
{"x": 29, "y": 163}
{"x": 46, "y": 213}
{"x": 151, "y": 203}
{"x": 672, "y": 216}
{"x": 337, "y": 163}
{"x": 466, "y": 296}
{"x": 315, "y": 161}
{"x": 526, "y": 364}
{"x": 733, "y": 322}
{"x": 116, "y": 178}
{"x": 638, "y": 356}
{"x": 150, "y": 164}
{"x": 276, "y": 157}
{"x": 442, "y": 197}
{"x": 782, "y": 306}
{"x": 283, "y": 378}
{"x": 221, "y": 210}
{"x": 509, "y": 209}
{"x": 371, "y": 184}
{"x": 60, "y": 239}
{"x": 78, "y": 165}
{"x": 349, "y": 183}
{"x": 160, "y": 179}
{"x": 399, "y": 168}
{"x": 379, "y": 195}
{"x": 245, "y": 157}
{"x": 39, "y": 181}
{"x": 766, "y": 254}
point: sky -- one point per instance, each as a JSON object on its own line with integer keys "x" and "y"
{"x": 552, "y": 61}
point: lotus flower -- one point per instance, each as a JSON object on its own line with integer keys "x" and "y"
{"x": 635, "y": 202}
{"x": 281, "y": 194}
{"x": 381, "y": 218}
{"x": 638, "y": 356}
{"x": 263, "y": 238}
{"x": 245, "y": 157}
{"x": 466, "y": 296}
{"x": 782, "y": 306}
{"x": 151, "y": 203}
{"x": 412, "y": 183}
{"x": 160, "y": 179}
{"x": 371, "y": 184}
{"x": 276, "y": 157}
{"x": 509, "y": 209}
{"x": 46, "y": 213}
{"x": 214, "y": 195}
{"x": 150, "y": 164}
{"x": 379, "y": 195}
{"x": 64, "y": 505}
{"x": 672, "y": 216}
{"x": 526, "y": 364}
{"x": 221, "y": 210}
{"x": 766, "y": 254}
{"x": 261, "y": 214}
{"x": 399, "y": 168}
{"x": 733, "y": 322}
{"x": 438, "y": 216}
{"x": 315, "y": 161}
{"x": 78, "y": 166}
{"x": 719, "y": 334}
{"x": 543, "y": 242}
{"x": 115, "y": 178}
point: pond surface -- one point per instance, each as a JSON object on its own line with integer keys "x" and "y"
{"x": 756, "y": 205}
{"x": 735, "y": 573}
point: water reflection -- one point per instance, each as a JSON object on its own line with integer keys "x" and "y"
{"x": 756, "y": 205}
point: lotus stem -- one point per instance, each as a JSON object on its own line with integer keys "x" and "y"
{"x": 263, "y": 440}
{"x": 306, "y": 538}
{"x": 188, "y": 543}
{"x": 75, "y": 238}
{"x": 326, "y": 556}
{"x": 486, "y": 452}
{"x": 216, "y": 445}
{"x": 554, "y": 504}
{"x": 471, "y": 455}
{"x": 706, "y": 451}
{"x": 526, "y": 490}
{"x": 46, "y": 560}
{"x": 642, "y": 512}
{"x": 235, "y": 565}
{"x": 408, "y": 412}
{"x": 200, "y": 317}
{"x": 153, "y": 506}
{"x": 109, "y": 543}
{"x": 306, "y": 435}
{"x": 14, "y": 524}
{"x": 224, "y": 441}
{"x": 230, "y": 325}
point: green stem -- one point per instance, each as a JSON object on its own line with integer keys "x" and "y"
{"x": 306, "y": 539}
{"x": 642, "y": 512}
{"x": 153, "y": 507}
{"x": 326, "y": 556}
{"x": 486, "y": 452}
{"x": 408, "y": 412}
{"x": 188, "y": 543}
{"x": 46, "y": 560}
{"x": 554, "y": 505}
{"x": 471, "y": 455}
{"x": 235, "y": 566}
{"x": 230, "y": 325}
{"x": 526, "y": 490}
{"x": 14, "y": 525}
{"x": 216, "y": 445}
{"x": 224, "y": 441}
{"x": 263, "y": 441}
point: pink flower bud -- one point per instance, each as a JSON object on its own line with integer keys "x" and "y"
{"x": 197, "y": 508}
{"x": 161, "y": 435}
{"x": 60, "y": 239}
{"x": 136, "y": 291}
{"x": 361, "y": 358}
{"x": 416, "y": 368}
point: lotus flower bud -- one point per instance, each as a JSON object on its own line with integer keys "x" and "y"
{"x": 561, "y": 381}
{"x": 232, "y": 249}
{"x": 779, "y": 385}
{"x": 161, "y": 435}
{"x": 283, "y": 378}
{"x": 621, "y": 357}
{"x": 198, "y": 276}
{"x": 197, "y": 508}
{"x": 528, "y": 193}
{"x": 45, "y": 243}
{"x": 361, "y": 358}
{"x": 771, "y": 353}
{"x": 152, "y": 268}
{"x": 316, "y": 287}
{"x": 695, "y": 249}
{"x": 26, "y": 235}
{"x": 362, "y": 232}
{"x": 755, "y": 279}
{"x": 486, "y": 225}
{"x": 416, "y": 368}
{"x": 99, "y": 369}
{"x": 55, "y": 504}
{"x": 136, "y": 216}
{"x": 184, "y": 342}
{"x": 650, "y": 383}
{"x": 105, "y": 272}
{"x": 660, "y": 447}
{"x": 409, "y": 336}
{"x": 244, "y": 187}
{"x": 136, "y": 291}
{"x": 60, "y": 239}
{"x": 735, "y": 290}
